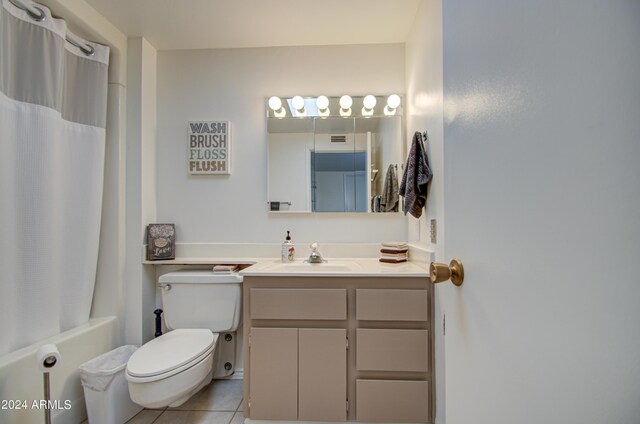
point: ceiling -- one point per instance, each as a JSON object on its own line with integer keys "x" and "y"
{"x": 200, "y": 24}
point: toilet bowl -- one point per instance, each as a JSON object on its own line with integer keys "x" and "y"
{"x": 171, "y": 368}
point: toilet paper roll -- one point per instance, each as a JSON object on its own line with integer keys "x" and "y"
{"x": 48, "y": 357}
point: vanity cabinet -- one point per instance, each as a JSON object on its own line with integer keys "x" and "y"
{"x": 338, "y": 349}
{"x": 298, "y": 373}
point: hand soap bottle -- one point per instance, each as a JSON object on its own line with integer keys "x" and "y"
{"x": 288, "y": 252}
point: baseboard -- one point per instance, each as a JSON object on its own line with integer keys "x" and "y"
{"x": 238, "y": 374}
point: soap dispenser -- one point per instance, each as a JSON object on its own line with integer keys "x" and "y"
{"x": 288, "y": 252}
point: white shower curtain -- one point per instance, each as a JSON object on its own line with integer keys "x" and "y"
{"x": 53, "y": 99}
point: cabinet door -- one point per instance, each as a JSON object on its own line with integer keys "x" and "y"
{"x": 273, "y": 386}
{"x": 322, "y": 374}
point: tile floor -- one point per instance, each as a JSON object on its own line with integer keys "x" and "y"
{"x": 218, "y": 403}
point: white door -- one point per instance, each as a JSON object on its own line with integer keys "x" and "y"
{"x": 542, "y": 205}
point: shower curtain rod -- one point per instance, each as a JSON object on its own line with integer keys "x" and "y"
{"x": 37, "y": 14}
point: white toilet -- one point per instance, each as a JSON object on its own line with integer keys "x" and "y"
{"x": 198, "y": 306}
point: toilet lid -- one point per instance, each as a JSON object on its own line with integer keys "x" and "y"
{"x": 170, "y": 351}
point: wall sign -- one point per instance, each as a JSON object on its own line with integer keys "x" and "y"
{"x": 161, "y": 241}
{"x": 209, "y": 147}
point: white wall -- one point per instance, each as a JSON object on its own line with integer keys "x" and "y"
{"x": 542, "y": 142}
{"x": 424, "y": 109}
{"x": 140, "y": 297}
{"x": 233, "y": 84}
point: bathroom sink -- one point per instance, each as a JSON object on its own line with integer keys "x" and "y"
{"x": 305, "y": 267}
{"x": 357, "y": 267}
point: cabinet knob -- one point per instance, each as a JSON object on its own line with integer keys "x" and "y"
{"x": 439, "y": 272}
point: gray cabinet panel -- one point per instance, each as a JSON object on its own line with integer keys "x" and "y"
{"x": 322, "y": 378}
{"x": 392, "y": 305}
{"x": 301, "y": 304}
{"x": 392, "y": 401}
{"x": 392, "y": 350}
{"x": 274, "y": 374}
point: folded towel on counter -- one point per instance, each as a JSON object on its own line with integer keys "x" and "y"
{"x": 394, "y": 255}
{"x": 392, "y": 250}
{"x": 417, "y": 174}
{"x": 225, "y": 269}
{"x": 395, "y": 244}
{"x": 392, "y": 260}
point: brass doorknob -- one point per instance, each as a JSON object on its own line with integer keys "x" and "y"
{"x": 439, "y": 272}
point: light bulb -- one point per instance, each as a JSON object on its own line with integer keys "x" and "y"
{"x": 369, "y": 102}
{"x": 346, "y": 102}
{"x": 322, "y": 102}
{"x": 393, "y": 101}
{"x": 275, "y": 103}
{"x": 297, "y": 102}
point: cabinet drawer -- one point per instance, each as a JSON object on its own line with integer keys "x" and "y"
{"x": 392, "y": 305}
{"x": 392, "y": 401}
{"x": 318, "y": 304}
{"x": 391, "y": 350}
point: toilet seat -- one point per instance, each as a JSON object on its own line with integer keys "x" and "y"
{"x": 170, "y": 354}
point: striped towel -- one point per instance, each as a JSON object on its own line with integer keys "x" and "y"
{"x": 394, "y": 252}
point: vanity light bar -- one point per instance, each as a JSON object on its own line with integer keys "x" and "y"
{"x": 323, "y": 106}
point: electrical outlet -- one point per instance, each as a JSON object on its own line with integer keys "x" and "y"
{"x": 434, "y": 231}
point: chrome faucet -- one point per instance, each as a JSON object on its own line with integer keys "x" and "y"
{"x": 315, "y": 257}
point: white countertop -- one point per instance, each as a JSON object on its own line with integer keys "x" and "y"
{"x": 367, "y": 267}
{"x": 258, "y": 259}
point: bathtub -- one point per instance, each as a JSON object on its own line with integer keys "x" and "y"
{"x": 21, "y": 380}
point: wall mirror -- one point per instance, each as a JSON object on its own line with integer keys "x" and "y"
{"x": 331, "y": 154}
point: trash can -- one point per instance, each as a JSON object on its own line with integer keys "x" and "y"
{"x": 106, "y": 391}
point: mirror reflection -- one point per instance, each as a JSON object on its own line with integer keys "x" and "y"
{"x": 334, "y": 164}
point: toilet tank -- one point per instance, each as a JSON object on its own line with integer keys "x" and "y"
{"x": 201, "y": 299}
